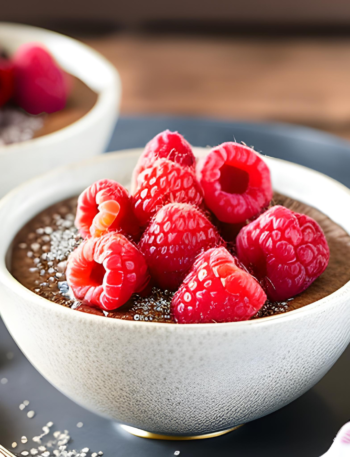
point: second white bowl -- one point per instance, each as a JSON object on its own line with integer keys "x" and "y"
{"x": 84, "y": 138}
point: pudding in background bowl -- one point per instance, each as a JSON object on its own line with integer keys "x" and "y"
{"x": 81, "y": 130}
{"x": 174, "y": 379}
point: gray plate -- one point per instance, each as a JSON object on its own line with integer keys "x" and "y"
{"x": 304, "y": 428}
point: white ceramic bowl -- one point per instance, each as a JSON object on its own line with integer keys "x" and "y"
{"x": 84, "y": 138}
{"x": 168, "y": 378}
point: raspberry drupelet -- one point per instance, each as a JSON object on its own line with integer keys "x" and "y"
{"x": 286, "y": 251}
{"x": 176, "y": 235}
{"x": 236, "y": 182}
{"x": 166, "y": 145}
{"x": 105, "y": 271}
{"x": 165, "y": 182}
{"x": 217, "y": 290}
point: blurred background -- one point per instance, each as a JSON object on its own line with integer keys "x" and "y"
{"x": 261, "y": 60}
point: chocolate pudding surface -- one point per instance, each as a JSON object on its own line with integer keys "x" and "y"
{"x": 41, "y": 248}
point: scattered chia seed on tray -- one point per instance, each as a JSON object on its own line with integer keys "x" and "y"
{"x": 52, "y": 444}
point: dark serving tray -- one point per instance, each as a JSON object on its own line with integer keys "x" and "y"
{"x": 306, "y": 427}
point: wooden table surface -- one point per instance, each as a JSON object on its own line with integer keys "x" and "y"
{"x": 302, "y": 80}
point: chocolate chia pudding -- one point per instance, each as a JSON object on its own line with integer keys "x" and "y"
{"x": 40, "y": 251}
{"x": 17, "y": 125}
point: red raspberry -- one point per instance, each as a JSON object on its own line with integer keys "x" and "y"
{"x": 103, "y": 207}
{"x": 166, "y": 145}
{"x": 163, "y": 183}
{"x": 286, "y": 251}
{"x": 177, "y": 234}
{"x": 106, "y": 271}
{"x": 41, "y": 86}
{"x": 217, "y": 289}
{"x": 7, "y": 82}
{"x": 236, "y": 182}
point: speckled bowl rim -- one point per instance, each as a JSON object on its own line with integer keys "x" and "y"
{"x": 89, "y": 118}
{"x": 9, "y": 281}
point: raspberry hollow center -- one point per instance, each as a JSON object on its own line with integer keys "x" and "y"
{"x": 97, "y": 274}
{"x": 233, "y": 180}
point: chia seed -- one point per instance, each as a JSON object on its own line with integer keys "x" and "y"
{"x": 17, "y": 125}
{"x": 57, "y": 444}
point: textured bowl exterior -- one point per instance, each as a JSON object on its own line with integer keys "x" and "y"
{"x": 84, "y": 138}
{"x": 168, "y": 378}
